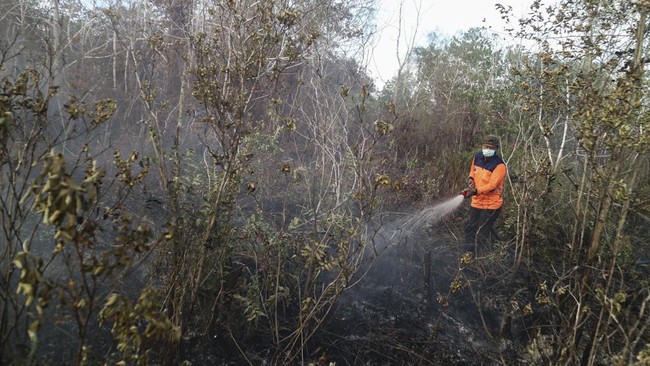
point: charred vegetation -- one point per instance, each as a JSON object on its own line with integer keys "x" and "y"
{"x": 222, "y": 183}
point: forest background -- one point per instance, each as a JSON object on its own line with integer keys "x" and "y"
{"x": 214, "y": 171}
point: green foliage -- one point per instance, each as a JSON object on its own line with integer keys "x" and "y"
{"x": 575, "y": 199}
{"x": 61, "y": 201}
{"x": 137, "y": 327}
{"x": 56, "y": 263}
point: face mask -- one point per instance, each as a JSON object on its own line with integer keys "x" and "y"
{"x": 488, "y": 153}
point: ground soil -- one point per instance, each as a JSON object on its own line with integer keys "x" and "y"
{"x": 419, "y": 305}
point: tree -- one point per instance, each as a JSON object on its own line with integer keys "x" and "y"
{"x": 198, "y": 92}
{"x": 587, "y": 81}
{"x": 238, "y": 64}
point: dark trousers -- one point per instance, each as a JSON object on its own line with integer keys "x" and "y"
{"x": 480, "y": 228}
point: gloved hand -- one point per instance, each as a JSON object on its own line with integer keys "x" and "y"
{"x": 470, "y": 182}
{"x": 468, "y": 192}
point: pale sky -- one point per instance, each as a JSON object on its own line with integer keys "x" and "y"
{"x": 447, "y": 16}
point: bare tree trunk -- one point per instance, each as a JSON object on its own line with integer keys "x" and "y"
{"x": 601, "y": 221}
{"x": 56, "y": 54}
{"x": 115, "y": 60}
{"x": 560, "y": 153}
{"x": 126, "y": 71}
{"x": 540, "y": 118}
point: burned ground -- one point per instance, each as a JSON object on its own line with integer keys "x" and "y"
{"x": 418, "y": 304}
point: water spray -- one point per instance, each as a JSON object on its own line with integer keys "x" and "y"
{"x": 431, "y": 215}
{"x": 393, "y": 232}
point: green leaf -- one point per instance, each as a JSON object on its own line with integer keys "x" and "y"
{"x": 33, "y": 329}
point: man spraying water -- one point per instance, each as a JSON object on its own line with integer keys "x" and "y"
{"x": 485, "y": 186}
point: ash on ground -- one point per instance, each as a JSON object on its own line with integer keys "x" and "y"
{"x": 426, "y": 301}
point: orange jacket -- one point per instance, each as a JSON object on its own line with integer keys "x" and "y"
{"x": 488, "y": 175}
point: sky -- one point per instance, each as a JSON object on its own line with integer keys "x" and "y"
{"x": 446, "y": 16}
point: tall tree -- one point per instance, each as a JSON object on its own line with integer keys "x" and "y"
{"x": 587, "y": 80}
